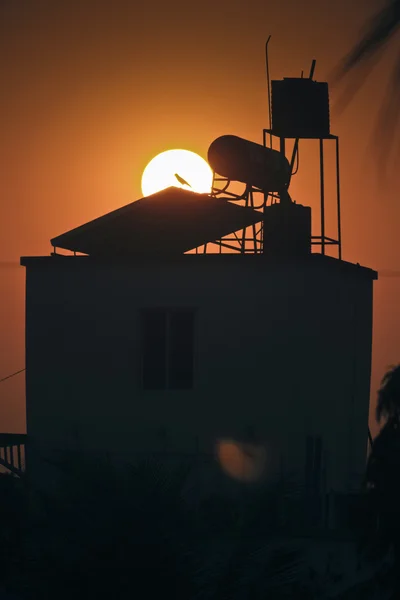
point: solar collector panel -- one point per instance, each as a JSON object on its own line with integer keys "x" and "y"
{"x": 172, "y": 221}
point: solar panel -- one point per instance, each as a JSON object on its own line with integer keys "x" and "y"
{"x": 171, "y": 222}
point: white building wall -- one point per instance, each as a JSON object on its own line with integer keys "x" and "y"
{"x": 283, "y": 349}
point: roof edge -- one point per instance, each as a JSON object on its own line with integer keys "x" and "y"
{"x": 80, "y": 260}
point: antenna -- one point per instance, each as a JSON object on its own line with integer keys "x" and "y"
{"x": 312, "y": 68}
{"x": 269, "y": 90}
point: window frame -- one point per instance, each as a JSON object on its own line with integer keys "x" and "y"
{"x": 168, "y": 311}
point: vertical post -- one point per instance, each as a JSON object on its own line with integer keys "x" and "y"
{"x": 338, "y": 198}
{"x": 324, "y": 495}
{"x": 269, "y": 90}
{"x": 326, "y": 511}
{"x": 19, "y": 465}
{"x": 322, "y": 187}
{"x": 255, "y": 238}
{"x": 254, "y": 226}
{"x": 211, "y": 194}
{"x": 282, "y": 146}
{"x": 248, "y": 197}
{"x": 262, "y": 224}
{"x": 370, "y": 440}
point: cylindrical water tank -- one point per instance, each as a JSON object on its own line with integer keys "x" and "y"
{"x": 240, "y": 160}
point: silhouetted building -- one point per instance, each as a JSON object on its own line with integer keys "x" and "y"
{"x": 210, "y": 324}
{"x": 139, "y": 346}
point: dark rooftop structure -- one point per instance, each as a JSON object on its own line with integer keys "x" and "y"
{"x": 170, "y": 222}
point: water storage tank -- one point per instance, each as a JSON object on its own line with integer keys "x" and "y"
{"x": 300, "y": 108}
{"x": 287, "y": 230}
{"x": 240, "y": 160}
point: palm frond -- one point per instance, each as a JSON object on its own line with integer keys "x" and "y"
{"x": 246, "y": 553}
{"x": 359, "y": 62}
{"x": 272, "y": 568}
{"x": 381, "y": 29}
{"x": 247, "y": 568}
{"x": 388, "y": 120}
{"x": 372, "y": 582}
{"x": 388, "y": 402}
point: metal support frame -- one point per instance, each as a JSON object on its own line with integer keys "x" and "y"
{"x": 254, "y": 243}
{"x": 321, "y": 240}
{"x": 12, "y": 452}
{"x": 240, "y": 242}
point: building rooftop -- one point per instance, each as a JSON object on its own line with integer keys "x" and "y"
{"x": 163, "y": 228}
{"x": 314, "y": 260}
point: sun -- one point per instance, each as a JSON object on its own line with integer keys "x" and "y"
{"x": 179, "y": 168}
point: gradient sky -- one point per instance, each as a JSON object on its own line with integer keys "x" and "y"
{"x": 93, "y": 89}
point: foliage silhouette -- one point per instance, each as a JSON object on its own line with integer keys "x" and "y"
{"x": 388, "y": 404}
{"x": 382, "y": 484}
{"x": 359, "y": 62}
{"x": 379, "y": 32}
{"x": 111, "y": 531}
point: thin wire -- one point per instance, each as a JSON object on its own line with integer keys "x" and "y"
{"x": 12, "y": 375}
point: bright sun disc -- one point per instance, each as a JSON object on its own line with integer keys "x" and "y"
{"x": 161, "y": 172}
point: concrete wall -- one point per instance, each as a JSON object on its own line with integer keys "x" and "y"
{"x": 282, "y": 349}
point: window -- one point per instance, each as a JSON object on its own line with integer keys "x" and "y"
{"x": 167, "y": 349}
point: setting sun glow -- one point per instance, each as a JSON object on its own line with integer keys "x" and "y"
{"x": 179, "y": 168}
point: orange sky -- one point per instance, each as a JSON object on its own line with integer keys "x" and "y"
{"x": 93, "y": 89}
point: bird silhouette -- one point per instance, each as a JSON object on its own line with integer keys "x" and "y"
{"x": 181, "y": 180}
